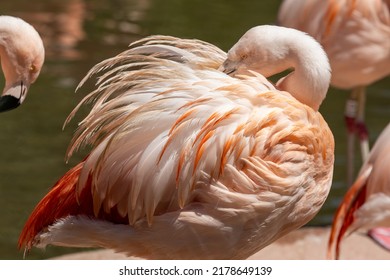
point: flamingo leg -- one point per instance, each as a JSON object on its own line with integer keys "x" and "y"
{"x": 350, "y": 122}
{"x": 361, "y": 128}
{"x": 356, "y": 127}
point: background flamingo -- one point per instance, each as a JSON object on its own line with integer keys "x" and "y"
{"x": 355, "y": 35}
{"x": 188, "y": 162}
{"x": 367, "y": 202}
{"x": 22, "y": 55}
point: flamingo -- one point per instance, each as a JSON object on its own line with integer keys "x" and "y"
{"x": 195, "y": 154}
{"x": 22, "y": 55}
{"x": 355, "y": 35}
{"x": 367, "y": 203}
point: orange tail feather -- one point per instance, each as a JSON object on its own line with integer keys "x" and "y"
{"x": 344, "y": 217}
{"x": 60, "y": 202}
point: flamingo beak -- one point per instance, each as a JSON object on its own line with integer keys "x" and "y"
{"x": 13, "y": 96}
{"x": 228, "y": 67}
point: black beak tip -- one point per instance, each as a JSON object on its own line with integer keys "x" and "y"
{"x": 8, "y": 102}
{"x": 228, "y": 71}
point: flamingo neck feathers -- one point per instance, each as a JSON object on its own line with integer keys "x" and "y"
{"x": 309, "y": 81}
{"x": 6, "y": 60}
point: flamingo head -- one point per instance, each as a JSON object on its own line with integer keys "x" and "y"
{"x": 22, "y": 55}
{"x": 271, "y": 50}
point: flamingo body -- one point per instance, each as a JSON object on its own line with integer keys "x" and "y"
{"x": 354, "y": 33}
{"x": 187, "y": 161}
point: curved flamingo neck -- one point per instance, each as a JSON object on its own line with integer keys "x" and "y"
{"x": 309, "y": 81}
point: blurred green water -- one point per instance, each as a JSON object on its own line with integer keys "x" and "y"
{"x": 77, "y": 35}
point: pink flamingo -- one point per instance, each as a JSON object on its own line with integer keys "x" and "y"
{"x": 189, "y": 162}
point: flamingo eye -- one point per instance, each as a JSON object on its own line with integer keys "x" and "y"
{"x": 244, "y": 56}
{"x": 33, "y": 68}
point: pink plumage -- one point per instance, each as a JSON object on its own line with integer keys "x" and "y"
{"x": 188, "y": 162}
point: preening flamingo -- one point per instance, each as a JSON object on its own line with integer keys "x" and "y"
{"x": 355, "y": 35}
{"x": 367, "y": 203}
{"x": 189, "y": 162}
{"x": 22, "y": 55}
